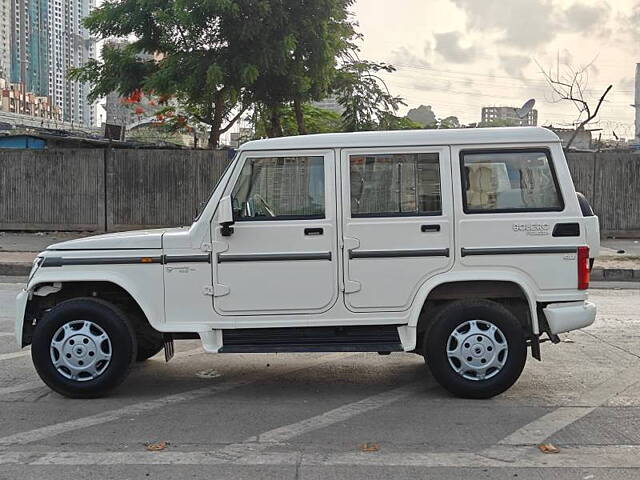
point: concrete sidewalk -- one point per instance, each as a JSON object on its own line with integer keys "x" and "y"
{"x": 18, "y": 249}
{"x": 619, "y": 259}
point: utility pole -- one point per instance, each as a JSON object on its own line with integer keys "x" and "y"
{"x": 636, "y": 104}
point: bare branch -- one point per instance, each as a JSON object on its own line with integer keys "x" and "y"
{"x": 572, "y": 87}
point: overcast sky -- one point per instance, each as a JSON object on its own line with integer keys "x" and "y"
{"x": 460, "y": 55}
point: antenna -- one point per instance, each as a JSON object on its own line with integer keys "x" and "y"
{"x": 525, "y": 110}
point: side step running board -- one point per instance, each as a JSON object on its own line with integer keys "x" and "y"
{"x": 383, "y": 338}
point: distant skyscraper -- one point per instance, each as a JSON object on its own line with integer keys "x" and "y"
{"x": 46, "y": 40}
{"x": 5, "y": 38}
{"x": 69, "y": 46}
{"x": 29, "y": 45}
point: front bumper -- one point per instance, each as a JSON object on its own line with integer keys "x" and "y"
{"x": 21, "y": 306}
{"x": 564, "y": 317}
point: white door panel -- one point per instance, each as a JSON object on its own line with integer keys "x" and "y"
{"x": 276, "y": 262}
{"x": 388, "y": 255}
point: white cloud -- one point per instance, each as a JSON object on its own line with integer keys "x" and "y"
{"x": 449, "y": 46}
{"x": 514, "y": 64}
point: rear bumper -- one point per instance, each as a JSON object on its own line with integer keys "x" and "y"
{"x": 564, "y": 317}
{"x": 21, "y": 305}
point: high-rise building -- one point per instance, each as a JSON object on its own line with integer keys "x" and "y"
{"x": 509, "y": 115}
{"x": 70, "y": 45}
{"x": 46, "y": 40}
{"x": 5, "y": 38}
{"x": 29, "y": 45}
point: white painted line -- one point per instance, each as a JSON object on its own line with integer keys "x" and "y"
{"x": 143, "y": 407}
{"x": 618, "y": 456}
{"x": 9, "y": 356}
{"x": 544, "y": 427}
{"x": 7, "y": 334}
{"x": 340, "y": 414}
{"x": 23, "y": 387}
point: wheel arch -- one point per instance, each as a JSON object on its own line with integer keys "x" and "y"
{"x": 127, "y": 297}
{"x": 457, "y": 285}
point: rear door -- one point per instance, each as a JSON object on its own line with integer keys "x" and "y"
{"x": 517, "y": 210}
{"x": 281, "y": 256}
{"x": 397, "y": 223}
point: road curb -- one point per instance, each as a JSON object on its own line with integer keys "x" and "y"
{"x": 15, "y": 269}
{"x": 615, "y": 274}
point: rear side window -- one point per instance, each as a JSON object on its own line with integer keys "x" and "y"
{"x": 394, "y": 185}
{"x": 509, "y": 181}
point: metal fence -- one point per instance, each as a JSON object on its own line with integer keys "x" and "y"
{"x": 611, "y": 182}
{"x": 104, "y": 190}
{"x": 112, "y": 190}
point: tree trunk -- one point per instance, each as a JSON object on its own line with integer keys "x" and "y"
{"x": 216, "y": 123}
{"x": 275, "y": 121}
{"x": 297, "y": 108}
{"x": 214, "y": 137}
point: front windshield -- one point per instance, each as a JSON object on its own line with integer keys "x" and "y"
{"x": 203, "y": 204}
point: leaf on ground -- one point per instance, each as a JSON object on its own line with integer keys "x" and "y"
{"x": 369, "y": 447}
{"x": 156, "y": 447}
{"x": 548, "y": 448}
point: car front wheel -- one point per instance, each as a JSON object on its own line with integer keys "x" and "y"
{"x": 475, "y": 348}
{"x": 83, "y": 348}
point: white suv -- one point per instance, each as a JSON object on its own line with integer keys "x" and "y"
{"x": 464, "y": 246}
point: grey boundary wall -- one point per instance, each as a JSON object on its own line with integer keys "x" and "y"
{"x": 104, "y": 190}
{"x": 113, "y": 190}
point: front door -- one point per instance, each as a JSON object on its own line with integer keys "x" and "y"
{"x": 281, "y": 256}
{"x": 398, "y": 219}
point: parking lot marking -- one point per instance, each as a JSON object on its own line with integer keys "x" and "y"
{"x": 23, "y": 387}
{"x": 595, "y": 457}
{"x": 544, "y": 427}
{"x": 339, "y": 414}
{"x": 9, "y": 356}
{"x": 7, "y": 334}
{"x": 143, "y": 407}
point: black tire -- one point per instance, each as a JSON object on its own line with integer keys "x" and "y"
{"x": 453, "y": 316}
{"x": 106, "y": 316}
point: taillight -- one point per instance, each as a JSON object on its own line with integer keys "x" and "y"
{"x": 583, "y": 268}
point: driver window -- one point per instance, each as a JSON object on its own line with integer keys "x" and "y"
{"x": 280, "y": 188}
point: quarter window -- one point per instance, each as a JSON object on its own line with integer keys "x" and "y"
{"x": 509, "y": 181}
{"x": 280, "y": 188}
{"x": 400, "y": 184}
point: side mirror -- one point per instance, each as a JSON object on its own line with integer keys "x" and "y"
{"x": 225, "y": 216}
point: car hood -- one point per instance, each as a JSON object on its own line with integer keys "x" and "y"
{"x": 135, "y": 240}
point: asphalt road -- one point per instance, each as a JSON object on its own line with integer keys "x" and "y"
{"x": 307, "y": 416}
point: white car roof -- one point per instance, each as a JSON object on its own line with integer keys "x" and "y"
{"x": 400, "y": 138}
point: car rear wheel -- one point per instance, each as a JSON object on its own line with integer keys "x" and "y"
{"x": 83, "y": 348}
{"x": 475, "y": 348}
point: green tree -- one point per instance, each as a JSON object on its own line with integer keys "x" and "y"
{"x": 206, "y": 53}
{"x": 314, "y": 36}
{"x": 316, "y": 120}
{"x": 364, "y": 95}
{"x": 449, "y": 122}
{"x": 392, "y": 122}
